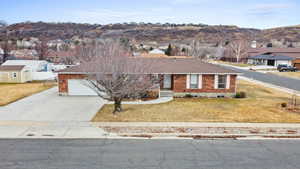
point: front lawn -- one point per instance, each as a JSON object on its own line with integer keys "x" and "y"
{"x": 262, "y": 105}
{"x": 236, "y": 64}
{"x": 12, "y": 92}
{"x": 288, "y": 74}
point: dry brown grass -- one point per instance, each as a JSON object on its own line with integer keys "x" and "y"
{"x": 12, "y": 92}
{"x": 235, "y": 64}
{"x": 262, "y": 105}
{"x": 288, "y": 74}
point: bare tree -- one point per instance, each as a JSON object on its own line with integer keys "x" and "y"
{"x": 236, "y": 44}
{"x": 42, "y": 49}
{"x": 114, "y": 74}
{"x": 238, "y": 48}
{"x": 197, "y": 50}
{"x": 202, "y": 52}
{"x": 5, "y": 44}
{"x": 219, "y": 52}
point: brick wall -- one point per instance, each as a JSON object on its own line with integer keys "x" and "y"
{"x": 63, "y": 81}
{"x": 207, "y": 85}
{"x": 179, "y": 84}
{"x": 296, "y": 63}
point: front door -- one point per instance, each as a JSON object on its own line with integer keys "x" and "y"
{"x": 167, "y": 82}
{"x": 271, "y": 62}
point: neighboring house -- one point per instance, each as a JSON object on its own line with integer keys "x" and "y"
{"x": 159, "y": 56}
{"x": 15, "y": 74}
{"x": 34, "y": 65}
{"x": 289, "y": 52}
{"x": 157, "y": 52}
{"x": 296, "y": 63}
{"x": 270, "y": 60}
{"x": 25, "y": 54}
{"x": 40, "y": 69}
{"x": 179, "y": 78}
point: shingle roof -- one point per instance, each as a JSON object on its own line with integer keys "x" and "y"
{"x": 291, "y": 52}
{"x": 12, "y": 68}
{"x": 274, "y": 50}
{"x": 163, "y": 66}
{"x": 271, "y": 57}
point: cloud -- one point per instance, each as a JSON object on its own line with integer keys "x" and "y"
{"x": 193, "y": 2}
{"x": 269, "y": 9}
{"x": 273, "y": 6}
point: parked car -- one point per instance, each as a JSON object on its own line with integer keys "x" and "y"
{"x": 286, "y": 68}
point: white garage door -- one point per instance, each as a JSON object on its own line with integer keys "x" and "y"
{"x": 283, "y": 62}
{"x": 80, "y": 88}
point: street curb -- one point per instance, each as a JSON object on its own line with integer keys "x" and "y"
{"x": 186, "y": 137}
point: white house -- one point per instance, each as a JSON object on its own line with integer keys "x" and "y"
{"x": 157, "y": 51}
{"x": 34, "y": 65}
{"x": 15, "y": 74}
{"x": 270, "y": 60}
{"x": 39, "y": 69}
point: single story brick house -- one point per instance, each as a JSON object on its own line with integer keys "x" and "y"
{"x": 179, "y": 78}
{"x": 293, "y": 53}
{"x": 270, "y": 60}
{"x": 15, "y": 74}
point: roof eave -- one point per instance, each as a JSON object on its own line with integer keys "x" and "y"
{"x": 209, "y": 73}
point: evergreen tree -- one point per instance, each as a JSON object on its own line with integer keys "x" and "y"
{"x": 169, "y": 50}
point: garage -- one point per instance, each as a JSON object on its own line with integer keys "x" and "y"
{"x": 81, "y": 87}
{"x": 297, "y": 65}
{"x": 283, "y": 62}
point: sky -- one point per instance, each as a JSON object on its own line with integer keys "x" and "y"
{"x": 243, "y": 13}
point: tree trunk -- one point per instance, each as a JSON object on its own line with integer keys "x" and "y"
{"x": 118, "y": 105}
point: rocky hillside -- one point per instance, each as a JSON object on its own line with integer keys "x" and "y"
{"x": 158, "y": 33}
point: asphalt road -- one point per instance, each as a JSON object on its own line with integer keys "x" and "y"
{"x": 149, "y": 154}
{"x": 286, "y": 82}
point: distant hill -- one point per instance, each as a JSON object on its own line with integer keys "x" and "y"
{"x": 289, "y": 33}
{"x": 159, "y": 33}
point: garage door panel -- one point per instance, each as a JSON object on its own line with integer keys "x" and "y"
{"x": 80, "y": 88}
{"x": 283, "y": 62}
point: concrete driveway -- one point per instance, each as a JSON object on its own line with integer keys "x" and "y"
{"x": 48, "y": 106}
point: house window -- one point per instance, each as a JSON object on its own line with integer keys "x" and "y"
{"x": 194, "y": 81}
{"x": 222, "y": 80}
{"x": 14, "y": 75}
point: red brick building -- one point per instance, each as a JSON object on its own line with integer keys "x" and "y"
{"x": 179, "y": 77}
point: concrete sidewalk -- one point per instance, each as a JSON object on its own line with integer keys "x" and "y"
{"x": 29, "y": 129}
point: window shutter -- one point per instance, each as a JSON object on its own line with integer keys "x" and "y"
{"x": 200, "y": 82}
{"x": 216, "y": 81}
{"x": 187, "y": 81}
{"x": 228, "y": 82}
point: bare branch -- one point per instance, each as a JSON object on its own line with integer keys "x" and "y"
{"x": 239, "y": 48}
{"x": 114, "y": 74}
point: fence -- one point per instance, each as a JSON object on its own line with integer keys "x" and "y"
{"x": 44, "y": 76}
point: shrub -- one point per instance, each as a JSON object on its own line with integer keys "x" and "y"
{"x": 283, "y": 105}
{"x": 188, "y": 96}
{"x": 241, "y": 95}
